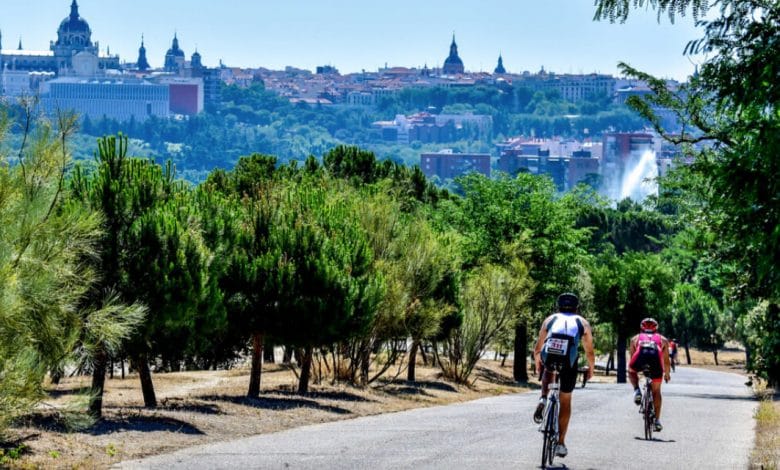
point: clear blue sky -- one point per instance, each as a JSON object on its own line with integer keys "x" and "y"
{"x": 359, "y": 34}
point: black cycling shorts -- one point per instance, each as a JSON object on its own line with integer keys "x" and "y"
{"x": 568, "y": 376}
{"x": 651, "y": 359}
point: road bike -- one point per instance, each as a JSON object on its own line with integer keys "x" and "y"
{"x": 646, "y": 407}
{"x": 549, "y": 426}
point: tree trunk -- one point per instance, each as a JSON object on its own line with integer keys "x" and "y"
{"x": 98, "y": 383}
{"x": 715, "y": 354}
{"x": 610, "y": 361}
{"x": 621, "y": 357}
{"x": 268, "y": 354}
{"x": 503, "y": 359}
{"x": 303, "y": 384}
{"x": 520, "y": 367}
{"x": 147, "y": 387}
{"x": 111, "y": 368}
{"x": 287, "y": 356}
{"x": 412, "y": 360}
{"x": 365, "y": 363}
{"x": 257, "y": 365}
{"x": 687, "y": 350}
{"x": 122, "y": 363}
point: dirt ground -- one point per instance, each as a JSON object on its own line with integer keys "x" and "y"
{"x": 202, "y": 407}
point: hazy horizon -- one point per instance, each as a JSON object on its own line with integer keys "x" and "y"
{"x": 350, "y": 35}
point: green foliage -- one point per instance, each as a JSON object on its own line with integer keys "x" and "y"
{"x": 618, "y": 10}
{"x": 493, "y": 300}
{"x": 694, "y": 315}
{"x": 43, "y": 280}
{"x": 732, "y": 104}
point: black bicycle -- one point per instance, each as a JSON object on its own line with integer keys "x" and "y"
{"x": 549, "y": 426}
{"x": 646, "y": 407}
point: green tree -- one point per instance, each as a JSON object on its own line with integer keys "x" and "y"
{"x": 732, "y": 104}
{"x": 43, "y": 280}
{"x": 127, "y": 191}
{"x": 497, "y": 212}
{"x": 494, "y": 299}
{"x": 333, "y": 291}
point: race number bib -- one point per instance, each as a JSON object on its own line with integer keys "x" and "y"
{"x": 648, "y": 345}
{"x": 557, "y": 346}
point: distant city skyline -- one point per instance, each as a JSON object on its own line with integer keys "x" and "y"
{"x": 353, "y": 35}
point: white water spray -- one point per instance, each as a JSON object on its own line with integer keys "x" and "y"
{"x": 640, "y": 180}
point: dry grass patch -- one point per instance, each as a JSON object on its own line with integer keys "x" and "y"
{"x": 766, "y": 453}
{"x": 202, "y": 407}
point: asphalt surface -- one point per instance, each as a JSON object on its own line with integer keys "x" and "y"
{"x": 707, "y": 419}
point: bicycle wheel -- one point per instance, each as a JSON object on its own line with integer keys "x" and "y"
{"x": 548, "y": 435}
{"x": 552, "y": 432}
{"x": 648, "y": 414}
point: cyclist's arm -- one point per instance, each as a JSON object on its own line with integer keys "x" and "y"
{"x": 587, "y": 344}
{"x": 632, "y": 346}
{"x": 667, "y": 361}
{"x": 539, "y": 344}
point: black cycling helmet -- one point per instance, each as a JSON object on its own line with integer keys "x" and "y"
{"x": 568, "y": 302}
{"x": 649, "y": 325}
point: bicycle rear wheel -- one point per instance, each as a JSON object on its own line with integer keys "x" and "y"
{"x": 648, "y": 414}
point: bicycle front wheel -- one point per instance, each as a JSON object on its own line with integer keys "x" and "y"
{"x": 550, "y": 435}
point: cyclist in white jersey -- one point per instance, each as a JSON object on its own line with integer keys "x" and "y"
{"x": 558, "y": 342}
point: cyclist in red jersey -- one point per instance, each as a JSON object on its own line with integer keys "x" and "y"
{"x": 673, "y": 352}
{"x": 649, "y": 348}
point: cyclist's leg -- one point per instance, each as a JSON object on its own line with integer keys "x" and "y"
{"x": 657, "y": 373}
{"x": 563, "y": 417}
{"x": 568, "y": 376}
{"x": 657, "y": 399}
{"x": 546, "y": 379}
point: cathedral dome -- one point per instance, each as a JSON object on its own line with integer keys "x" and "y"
{"x": 174, "y": 50}
{"x": 74, "y": 30}
{"x": 453, "y": 64}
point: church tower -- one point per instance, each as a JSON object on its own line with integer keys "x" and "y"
{"x": 174, "y": 58}
{"x": 500, "y": 67}
{"x": 453, "y": 65}
{"x": 143, "y": 64}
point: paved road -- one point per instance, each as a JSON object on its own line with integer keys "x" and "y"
{"x": 707, "y": 417}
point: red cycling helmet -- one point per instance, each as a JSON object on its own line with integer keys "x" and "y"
{"x": 649, "y": 325}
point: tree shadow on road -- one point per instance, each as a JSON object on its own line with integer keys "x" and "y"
{"x": 713, "y": 396}
{"x": 655, "y": 439}
{"x": 54, "y": 422}
{"x": 492, "y": 376}
{"x": 338, "y": 395}
{"x": 276, "y": 403}
{"x": 419, "y": 387}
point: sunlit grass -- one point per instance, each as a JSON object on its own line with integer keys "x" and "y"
{"x": 766, "y": 453}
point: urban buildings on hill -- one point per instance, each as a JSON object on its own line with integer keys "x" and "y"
{"x": 611, "y": 163}
{"x": 76, "y": 74}
{"x": 435, "y": 128}
{"x": 447, "y": 164}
